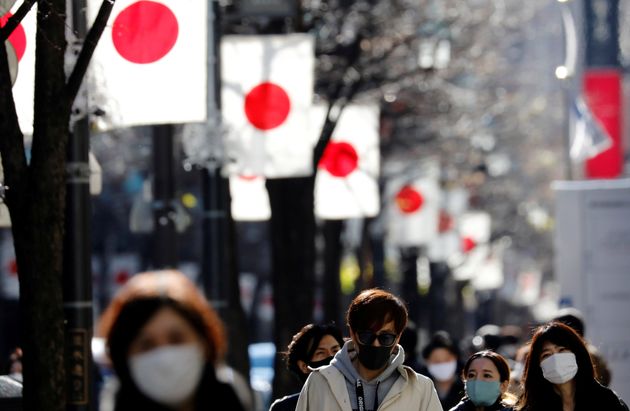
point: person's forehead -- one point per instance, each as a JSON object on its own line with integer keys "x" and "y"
{"x": 482, "y": 364}
{"x": 548, "y": 345}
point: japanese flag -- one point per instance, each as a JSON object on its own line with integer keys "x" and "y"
{"x": 266, "y": 92}
{"x": 413, "y": 211}
{"x": 346, "y": 183}
{"x": 150, "y": 65}
{"x": 22, "y": 42}
{"x": 250, "y": 201}
{"x": 447, "y": 244}
{"x": 474, "y": 230}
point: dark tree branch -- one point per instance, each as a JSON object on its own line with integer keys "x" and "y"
{"x": 87, "y": 51}
{"x": 13, "y": 22}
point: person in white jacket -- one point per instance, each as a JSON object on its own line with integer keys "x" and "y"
{"x": 368, "y": 373}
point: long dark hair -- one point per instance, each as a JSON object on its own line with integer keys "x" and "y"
{"x": 538, "y": 393}
{"x": 304, "y": 344}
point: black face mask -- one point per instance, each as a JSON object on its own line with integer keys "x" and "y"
{"x": 374, "y": 358}
{"x": 320, "y": 363}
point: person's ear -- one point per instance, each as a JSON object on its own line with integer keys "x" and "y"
{"x": 303, "y": 367}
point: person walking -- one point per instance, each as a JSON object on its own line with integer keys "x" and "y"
{"x": 164, "y": 341}
{"x": 312, "y": 347}
{"x": 559, "y": 375}
{"x": 486, "y": 375}
{"x": 442, "y": 364}
{"x": 368, "y": 373}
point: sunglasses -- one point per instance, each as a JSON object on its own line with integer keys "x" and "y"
{"x": 384, "y": 339}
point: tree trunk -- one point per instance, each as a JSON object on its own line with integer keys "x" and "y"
{"x": 293, "y": 251}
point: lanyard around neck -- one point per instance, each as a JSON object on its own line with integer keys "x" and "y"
{"x": 361, "y": 397}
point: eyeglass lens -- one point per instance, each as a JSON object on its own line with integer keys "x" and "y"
{"x": 368, "y": 337}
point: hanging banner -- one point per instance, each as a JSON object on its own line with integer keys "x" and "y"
{"x": 22, "y": 42}
{"x": 346, "y": 185}
{"x": 413, "y": 211}
{"x": 602, "y": 89}
{"x": 150, "y": 65}
{"x": 250, "y": 201}
{"x": 266, "y": 94}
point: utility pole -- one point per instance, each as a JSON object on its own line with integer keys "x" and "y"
{"x": 77, "y": 272}
{"x": 165, "y": 234}
{"x": 214, "y": 186}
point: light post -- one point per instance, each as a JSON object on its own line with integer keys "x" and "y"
{"x": 565, "y": 74}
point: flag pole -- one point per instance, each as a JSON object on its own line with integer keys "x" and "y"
{"x": 77, "y": 273}
{"x": 214, "y": 202}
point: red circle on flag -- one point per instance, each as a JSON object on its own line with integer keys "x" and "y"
{"x": 339, "y": 159}
{"x": 17, "y": 38}
{"x": 145, "y": 32}
{"x": 468, "y": 244}
{"x": 445, "y": 222}
{"x": 409, "y": 200}
{"x": 267, "y": 106}
{"x": 122, "y": 277}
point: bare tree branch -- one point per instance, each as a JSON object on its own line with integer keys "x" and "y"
{"x": 91, "y": 40}
{"x": 13, "y": 22}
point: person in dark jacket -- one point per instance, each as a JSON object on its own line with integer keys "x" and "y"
{"x": 486, "y": 376}
{"x": 312, "y": 347}
{"x": 559, "y": 374}
{"x": 164, "y": 342}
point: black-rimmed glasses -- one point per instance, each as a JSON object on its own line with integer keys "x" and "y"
{"x": 368, "y": 337}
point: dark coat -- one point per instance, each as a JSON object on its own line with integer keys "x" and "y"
{"x": 467, "y": 405}
{"x": 589, "y": 398}
{"x": 287, "y": 403}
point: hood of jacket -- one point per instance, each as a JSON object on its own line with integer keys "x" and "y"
{"x": 374, "y": 390}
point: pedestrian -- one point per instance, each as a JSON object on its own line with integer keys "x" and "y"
{"x": 164, "y": 341}
{"x": 573, "y": 318}
{"x": 559, "y": 375}
{"x": 368, "y": 373}
{"x": 487, "y": 377}
{"x": 312, "y": 347}
{"x": 409, "y": 342}
{"x": 442, "y": 364}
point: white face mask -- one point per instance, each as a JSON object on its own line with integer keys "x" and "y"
{"x": 168, "y": 375}
{"x": 443, "y": 371}
{"x": 559, "y": 368}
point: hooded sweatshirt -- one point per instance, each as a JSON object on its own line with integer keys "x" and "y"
{"x": 375, "y": 390}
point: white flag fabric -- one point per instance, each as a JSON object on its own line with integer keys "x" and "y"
{"x": 413, "y": 211}
{"x": 250, "y": 201}
{"x": 474, "y": 231}
{"x": 267, "y": 92}
{"x": 150, "y": 65}
{"x": 346, "y": 183}
{"x": 447, "y": 244}
{"x": 23, "y": 42}
{"x": 589, "y": 138}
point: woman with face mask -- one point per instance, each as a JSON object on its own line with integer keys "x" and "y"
{"x": 368, "y": 373}
{"x": 441, "y": 359}
{"x": 487, "y": 376}
{"x": 559, "y": 374}
{"x": 312, "y": 347}
{"x": 164, "y": 341}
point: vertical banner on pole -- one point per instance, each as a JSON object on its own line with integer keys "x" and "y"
{"x": 602, "y": 83}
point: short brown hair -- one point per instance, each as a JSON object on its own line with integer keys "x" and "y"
{"x": 374, "y": 307}
{"x": 142, "y": 297}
